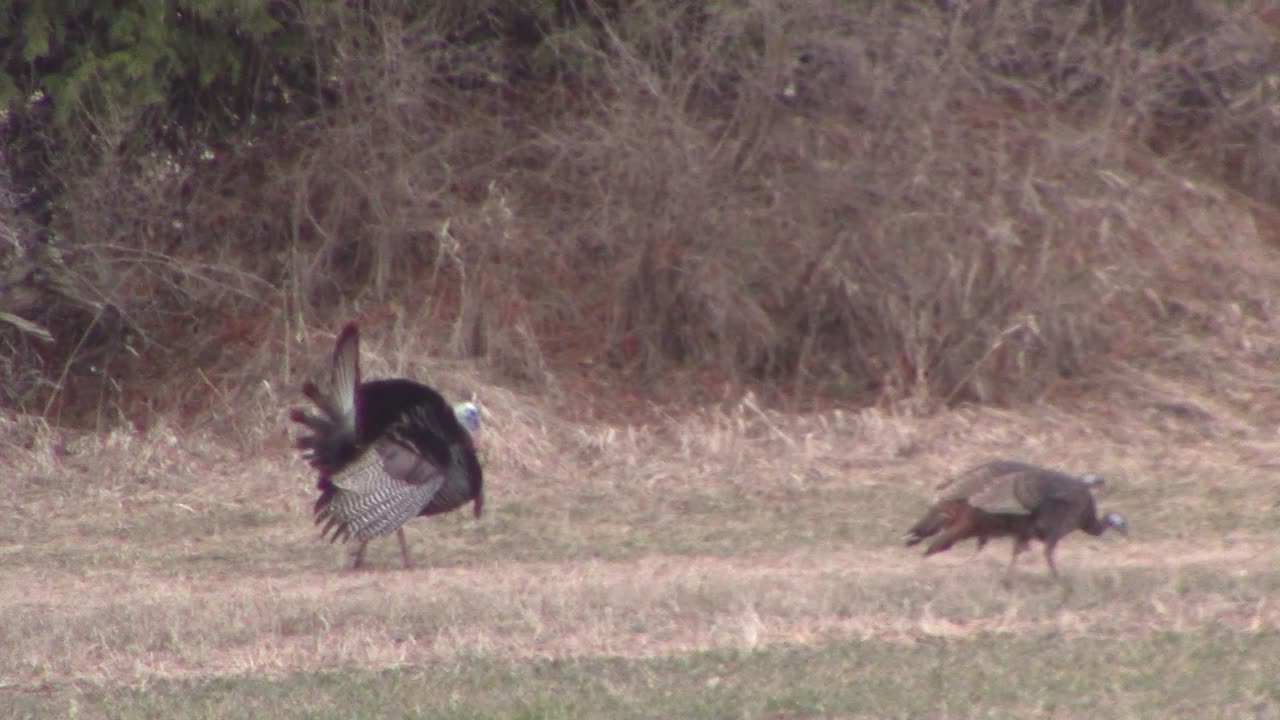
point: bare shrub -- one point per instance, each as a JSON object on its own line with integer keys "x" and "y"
{"x": 944, "y": 215}
{"x": 940, "y": 203}
{"x": 903, "y": 231}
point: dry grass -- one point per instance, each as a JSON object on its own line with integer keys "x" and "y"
{"x": 144, "y": 561}
{"x": 128, "y": 628}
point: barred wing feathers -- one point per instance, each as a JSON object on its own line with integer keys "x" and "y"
{"x": 383, "y": 488}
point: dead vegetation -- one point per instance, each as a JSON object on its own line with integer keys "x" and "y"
{"x": 937, "y": 205}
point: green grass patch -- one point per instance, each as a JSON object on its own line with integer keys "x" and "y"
{"x": 1199, "y": 674}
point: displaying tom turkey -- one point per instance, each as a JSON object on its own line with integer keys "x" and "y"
{"x": 386, "y": 451}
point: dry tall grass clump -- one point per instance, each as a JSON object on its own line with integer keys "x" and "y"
{"x": 938, "y": 202}
{"x": 944, "y": 205}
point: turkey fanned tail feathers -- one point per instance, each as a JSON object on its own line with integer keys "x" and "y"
{"x": 385, "y": 451}
{"x": 333, "y": 441}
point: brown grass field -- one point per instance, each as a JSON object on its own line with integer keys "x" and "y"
{"x": 726, "y": 562}
{"x": 727, "y": 340}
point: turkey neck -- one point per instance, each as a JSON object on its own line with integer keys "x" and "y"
{"x": 1092, "y": 524}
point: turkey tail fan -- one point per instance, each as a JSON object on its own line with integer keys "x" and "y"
{"x": 334, "y": 432}
{"x": 346, "y": 377}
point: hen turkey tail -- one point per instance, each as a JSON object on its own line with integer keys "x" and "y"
{"x": 931, "y": 524}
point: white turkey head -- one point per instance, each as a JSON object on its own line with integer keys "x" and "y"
{"x": 468, "y": 416}
{"x": 1117, "y": 522}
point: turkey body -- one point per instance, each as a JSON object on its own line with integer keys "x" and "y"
{"x": 385, "y": 451}
{"x": 1006, "y": 498}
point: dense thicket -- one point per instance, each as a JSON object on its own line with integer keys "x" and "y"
{"x": 948, "y": 201}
